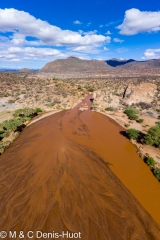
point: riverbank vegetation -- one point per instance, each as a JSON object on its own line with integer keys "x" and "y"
{"x": 152, "y": 138}
{"x": 10, "y": 129}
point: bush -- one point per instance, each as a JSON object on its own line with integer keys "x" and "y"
{"x": 158, "y": 124}
{"x": 131, "y": 113}
{"x": 38, "y": 110}
{"x": 11, "y": 125}
{"x": 140, "y": 120}
{"x": 133, "y": 117}
{"x": 5, "y": 134}
{"x": 157, "y": 173}
{"x": 153, "y": 136}
{"x": 132, "y": 133}
{"x": 91, "y": 89}
{"x": 26, "y": 112}
{"x": 2, "y": 148}
{"x": 109, "y": 109}
{"x": 150, "y": 161}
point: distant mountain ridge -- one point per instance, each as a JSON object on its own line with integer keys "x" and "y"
{"x": 26, "y": 70}
{"x": 153, "y": 63}
{"x": 114, "y": 62}
{"x": 74, "y": 64}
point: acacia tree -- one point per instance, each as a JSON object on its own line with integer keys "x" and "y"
{"x": 132, "y": 133}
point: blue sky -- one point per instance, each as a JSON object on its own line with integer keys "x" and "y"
{"x": 35, "y": 32}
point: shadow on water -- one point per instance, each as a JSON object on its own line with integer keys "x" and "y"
{"x": 124, "y": 134}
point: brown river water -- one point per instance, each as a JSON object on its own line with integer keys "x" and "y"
{"x": 73, "y": 171}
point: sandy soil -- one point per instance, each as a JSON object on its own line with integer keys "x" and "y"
{"x": 6, "y": 115}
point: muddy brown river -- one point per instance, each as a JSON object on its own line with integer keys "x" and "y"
{"x": 73, "y": 171}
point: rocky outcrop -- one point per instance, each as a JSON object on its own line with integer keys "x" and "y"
{"x": 105, "y": 100}
{"x": 144, "y": 92}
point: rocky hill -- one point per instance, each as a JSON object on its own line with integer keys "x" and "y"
{"x": 26, "y": 70}
{"x": 73, "y": 64}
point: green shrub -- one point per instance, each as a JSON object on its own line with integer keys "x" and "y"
{"x": 150, "y": 161}
{"x": 131, "y": 113}
{"x": 109, "y": 109}
{"x": 2, "y": 148}
{"x": 158, "y": 124}
{"x": 26, "y": 112}
{"x": 133, "y": 117}
{"x": 12, "y": 124}
{"x": 5, "y": 134}
{"x": 79, "y": 87}
{"x": 91, "y": 89}
{"x": 1, "y": 132}
{"x": 132, "y": 133}
{"x": 38, "y": 110}
{"x": 157, "y": 173}
{"x": 153, "y": 136}
{"x": 140, "y": 120}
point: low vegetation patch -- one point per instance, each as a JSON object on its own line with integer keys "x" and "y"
{"x": 140, "y": 120}
{"x": 150, "y": 161}
{"x": 9, "y": 127}
{"x": 109, "y": 109}
{"x": 132, "y": 133}
{"x": 132, "y": 113}
{"x": 156, "y": 172}
{"x": 151, "y": 138}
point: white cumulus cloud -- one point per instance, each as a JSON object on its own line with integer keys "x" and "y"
{"x": 151, "y": 54}
{"x": 136, "y": 21}
{"x": 77, "y": 22}
{"x": 26, "y": 38}
{"x": 108, "y": 32}
{"x": 28, "y": 53}
{"x": 24, "y": 24}
{"x": 118, "y": 40}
